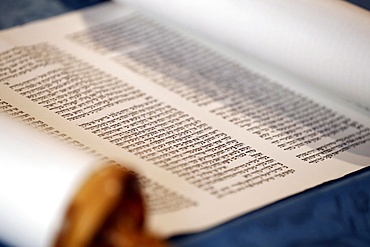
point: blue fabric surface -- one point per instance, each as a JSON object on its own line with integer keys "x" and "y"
{"x": 362, "y": 3}
{"x": 16, "y": 12}
{"x": 333, "y": 214}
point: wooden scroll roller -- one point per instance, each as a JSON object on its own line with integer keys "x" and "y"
{"x": 108, "y": 211}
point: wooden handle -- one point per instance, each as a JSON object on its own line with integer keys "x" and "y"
{"x": 108, "y": 210}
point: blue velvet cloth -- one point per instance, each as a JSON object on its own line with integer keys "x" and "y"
{"x": 333, "y": 214}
